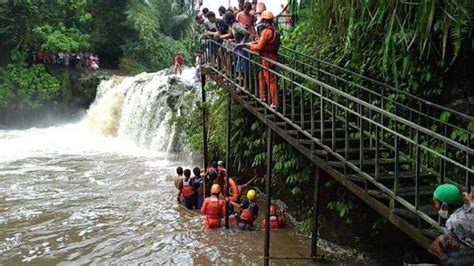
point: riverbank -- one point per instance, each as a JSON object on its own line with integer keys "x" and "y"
{"x": 77, "y": 92}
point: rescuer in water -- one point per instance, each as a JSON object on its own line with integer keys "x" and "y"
{"x": 213, "y": 208}
{"x": 248, "y": 211}
{"x": 276, "y": 221}
{"x": 187, "y": 191}
{"x": 179, "y": 177}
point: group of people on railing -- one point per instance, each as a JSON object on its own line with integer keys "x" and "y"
{"x": 206, "y": 190}
{"x": 253, "y": 28}
{"x": 72, "y": 60}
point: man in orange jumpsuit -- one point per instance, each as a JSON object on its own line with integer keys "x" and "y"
{"x": 267, "y": 45}
{"x": 213, "y": 208}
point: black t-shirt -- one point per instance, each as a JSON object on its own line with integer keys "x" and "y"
{"x": 222, "y": 28}
{"x": 197, "y": 182}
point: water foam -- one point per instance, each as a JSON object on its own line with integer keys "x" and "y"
{"x": 131, "y": 115}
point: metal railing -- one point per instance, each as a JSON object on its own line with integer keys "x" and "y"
{"x": 378, "y": 142}
{"x": 415, "y": 109}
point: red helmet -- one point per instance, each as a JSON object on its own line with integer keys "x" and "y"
{"x": 272, "y": 210}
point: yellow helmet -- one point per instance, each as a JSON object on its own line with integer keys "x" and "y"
{"x": 215, "y": 189}
{"x": 251, "y": 194}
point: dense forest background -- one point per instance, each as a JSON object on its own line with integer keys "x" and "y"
{"x": 130, "y": 35}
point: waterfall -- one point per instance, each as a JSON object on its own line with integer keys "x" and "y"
{"x": 141, "y": 108}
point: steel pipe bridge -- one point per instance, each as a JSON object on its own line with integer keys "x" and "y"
{"x": 388, "y": 147}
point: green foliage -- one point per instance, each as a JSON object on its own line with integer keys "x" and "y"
{"x": 26, "y": 87}
{"x": 137, "y": 35}
{"x": 25, "y": 23}
{"x": 342, "y": 207}
{"x": 61, "y": 38}
{"x": 152, "y": 44}
{"x": 411, "y": 45}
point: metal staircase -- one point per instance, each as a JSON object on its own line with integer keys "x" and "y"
{"x": 386, "y": 146}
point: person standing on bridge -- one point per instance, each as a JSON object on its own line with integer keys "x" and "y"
{"x": 268, "y": 46}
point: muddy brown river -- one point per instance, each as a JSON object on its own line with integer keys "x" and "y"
{"x": 100, "y": 191}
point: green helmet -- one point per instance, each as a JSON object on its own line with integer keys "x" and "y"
{"x": 448, "y": 193}
{"x": 220, "y": 163}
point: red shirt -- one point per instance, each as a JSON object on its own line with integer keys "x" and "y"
{"x": 247, "y": 20}
{"x": 179, "y": 60}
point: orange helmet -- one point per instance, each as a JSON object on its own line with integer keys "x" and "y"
{"x": 272, "y": 210}
{"x": 215, "y": 189}
{"x": 267, "y": 15}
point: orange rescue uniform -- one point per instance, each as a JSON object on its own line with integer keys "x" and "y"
{"x": 267, "y": 46}
{"x": 233, "y": 187}
{"x": 214, "y": 209}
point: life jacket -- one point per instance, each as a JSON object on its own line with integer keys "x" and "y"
{"x": 187, "y": 190}
{"x": 234, "y": 190}
{"x": 214, "y": 210}
{"x": 248, "y": 214}
{"x": 274, "y": 224}
{"x": 272, "y": 46}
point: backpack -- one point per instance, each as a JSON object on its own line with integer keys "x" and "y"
{"x": 187, "y": 190}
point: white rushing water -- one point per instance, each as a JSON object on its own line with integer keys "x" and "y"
{"x": 131, "y": 115}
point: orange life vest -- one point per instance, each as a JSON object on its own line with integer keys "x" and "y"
{"x": 272, "y": 46}
{"x": 214, "y": 209}
{"x": 187, "y": 190}
{"x": 248, "y": 214}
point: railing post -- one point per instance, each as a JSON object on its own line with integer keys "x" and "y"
{"x": 346, "y": 139}
{"x": 266, "y": 253}
{"x": 302, "y": 108}
{"x": 321, "y": 113}
{"x": 443, "y": 163}
{"x": 204, "y": 121}
{"x": 382, "y": 104}
{"x": 377, "y": 152}
{"x": 333, "y": 126}
{"x": 314, "y": 235}
{"x": 469, "y": 177}
{"x": 292, "y": 95}
{"x": 227, "y": 159}
{"x": 284, "y": 96}
{"x": 361, "y": 142}
{"x": 417, "y": 170}
{"x": 312, "y": 120}
{"x": 396, "y": 170}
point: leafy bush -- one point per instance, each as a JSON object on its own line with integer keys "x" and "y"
{"x": 26, "y": 87}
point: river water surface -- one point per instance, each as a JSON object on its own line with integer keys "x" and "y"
{"x": 101, "y": 191}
